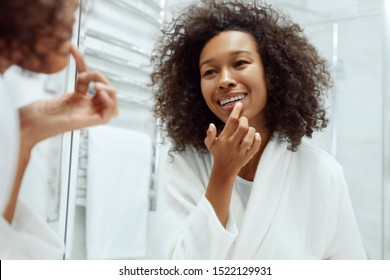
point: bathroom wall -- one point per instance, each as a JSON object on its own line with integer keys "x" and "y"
{"x": 350, "y": 35}
{"x": 358, "y": 117}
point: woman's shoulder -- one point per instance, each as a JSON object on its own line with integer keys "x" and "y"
{"x": 192, "y": 158}
{"x": 316, "y": 159}
{"x": 191, "y": 167}
{"x": 317, "y": 168}
{"x": 190, "y": 153}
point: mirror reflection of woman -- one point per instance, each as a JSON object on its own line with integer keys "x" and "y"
{"x": 36, "y": 36}
{"x": 237, "y": 88}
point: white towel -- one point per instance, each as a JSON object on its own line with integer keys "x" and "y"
{"x": 119, "y": 167}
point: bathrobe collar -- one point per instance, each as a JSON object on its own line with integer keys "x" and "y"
{"x": 267, "y": 190}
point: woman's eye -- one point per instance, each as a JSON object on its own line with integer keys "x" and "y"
{"x": 240, "y": 63}
{"x": 208, "y": 72}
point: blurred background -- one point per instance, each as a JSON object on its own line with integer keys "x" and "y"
{"x": 98, "y": 187}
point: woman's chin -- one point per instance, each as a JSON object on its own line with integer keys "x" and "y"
{"x": 56, "y": 65}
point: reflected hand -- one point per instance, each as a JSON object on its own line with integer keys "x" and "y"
{"x": 45, "y": 118}
{"x": 85, "y": 109}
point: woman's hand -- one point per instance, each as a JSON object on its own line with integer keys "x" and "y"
{"x": 45, "y": 118}
{"x": 231, "y": 150}
{"x": 235, "y": 145}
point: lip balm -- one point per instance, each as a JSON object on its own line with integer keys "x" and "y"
{"x": 91, "y": 88}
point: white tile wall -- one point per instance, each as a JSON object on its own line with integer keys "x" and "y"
{"x": 358, "y": 117}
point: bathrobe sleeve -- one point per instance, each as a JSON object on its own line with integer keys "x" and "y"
{"x": 29, "y": 237}
{"x": 345, "y": 238}
{"x": 192, "y": 227}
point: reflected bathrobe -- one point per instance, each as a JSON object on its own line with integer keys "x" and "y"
{"x": 28, "y": 237}
{"x": 299, "y": 208}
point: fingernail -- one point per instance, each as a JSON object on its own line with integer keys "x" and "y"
{"x": 100, "y": 85}
{"x": 82, "y": 75}
{"x": 91, "y": 88}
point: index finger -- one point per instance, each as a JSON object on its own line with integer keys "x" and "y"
{"x": 233, "y": 119}
{"x": 81, "y": 66}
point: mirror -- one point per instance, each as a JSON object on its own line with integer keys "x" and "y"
{"x": 117, "y": 38}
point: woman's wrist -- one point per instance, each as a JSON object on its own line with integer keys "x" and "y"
{"x": 24, "y": 157}
{"x": 219, "y": 192}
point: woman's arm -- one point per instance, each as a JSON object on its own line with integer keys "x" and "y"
{"x": 45, "y": 118}
{"x": 231, "y": 150}
{"x": 189, "y": 224}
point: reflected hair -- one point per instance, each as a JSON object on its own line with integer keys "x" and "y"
{"x": 23, "y": 22}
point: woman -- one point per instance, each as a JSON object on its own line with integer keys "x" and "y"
{"x": 250, "y": 189}
{"x": 36, "y": 35}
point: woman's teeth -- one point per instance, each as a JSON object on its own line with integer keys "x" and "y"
{"x": 231, "y": 99}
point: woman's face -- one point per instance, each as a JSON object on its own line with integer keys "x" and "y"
{"x": 55, "y": 58}
{"x": 231, "y": 70}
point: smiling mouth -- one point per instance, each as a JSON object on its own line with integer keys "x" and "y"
{"x": 231, "y": 100}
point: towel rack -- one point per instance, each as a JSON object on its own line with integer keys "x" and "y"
{"x": 135, "y": 10}
{"x": 145, "y": 102}
{"x": 132, "y": 100}
{"x": 116, "y": 42}
{"x": 154, "y": 174}
{"x": 81, "y": 189}
{"x": 115, "y": 60}
{"x": 153, "y": 4}
{"x": 127, "y": 83}
{"x": 124, "y": 80}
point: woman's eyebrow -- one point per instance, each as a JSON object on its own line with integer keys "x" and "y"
{"x": 231, "y": 53}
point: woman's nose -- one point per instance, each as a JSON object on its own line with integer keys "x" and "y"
{"x": 226, "y": 80}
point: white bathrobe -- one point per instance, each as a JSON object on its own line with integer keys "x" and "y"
{"x": 299, "y": 208}
{"x": 29, "y": 237}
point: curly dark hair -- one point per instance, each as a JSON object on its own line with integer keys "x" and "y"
{"x": 297, "y": 77}
{"x": 23, "y": 22}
